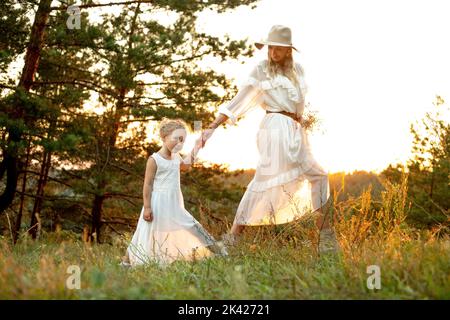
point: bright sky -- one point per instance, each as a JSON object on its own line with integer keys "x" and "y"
{"x": 372, "y": 67}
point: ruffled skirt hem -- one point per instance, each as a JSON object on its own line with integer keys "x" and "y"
{"x": 286, "y": 202}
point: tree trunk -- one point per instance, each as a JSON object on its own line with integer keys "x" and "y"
{"x": 43, "y": 174}
{"x": 111, "y": 144}
{"x": 96, "y": 218}
{"x": 11, "y": 153}
{"x": 22, "y": 197}
{"x": 431, "y": 190}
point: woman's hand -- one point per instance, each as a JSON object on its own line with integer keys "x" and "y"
{"x": 148, "y": 214}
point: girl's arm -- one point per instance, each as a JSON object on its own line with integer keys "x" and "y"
{"x": 188, "y": 160}
{"x": 206, "y": 134}
{"x": 150, "y": 172}
{"x": 200, "y": 143}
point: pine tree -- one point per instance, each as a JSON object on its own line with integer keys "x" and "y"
{"x": 130, "y": 65}
{"x": 428, "y": 170}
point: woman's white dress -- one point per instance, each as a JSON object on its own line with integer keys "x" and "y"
{"x": 173, "y": 233}
{"x": 288, "y": 182}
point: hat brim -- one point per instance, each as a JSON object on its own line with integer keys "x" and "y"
{"x": 261, "y": 44}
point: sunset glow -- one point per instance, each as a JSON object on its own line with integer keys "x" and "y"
{"x": 372, "y": 69}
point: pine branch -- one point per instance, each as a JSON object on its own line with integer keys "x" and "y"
{"x": 73, "y": 68}
{"x": 47, "y": 198}
{"x": 77, "y": 176}
{"x": 120, "y": 195}
{"x": 126, "y": 170}
{"x": 4, "y": 86}
{"x": 108, "y": 223}
{"x": 96, "y": 5}
{"x": 173, "y": 61}
{"x": 85, "y": 83}
{"x": 118, "y": 222}
{"x": 159, "y": 84}
{"x": 49, "y": 177}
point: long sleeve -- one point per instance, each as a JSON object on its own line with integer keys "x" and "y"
{"x": 248, "y": 97}
{"x": 303, "y": 84}
{"x": 303, "y": 89}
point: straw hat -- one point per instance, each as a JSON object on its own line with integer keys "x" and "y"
{"x": 278, "y": 36}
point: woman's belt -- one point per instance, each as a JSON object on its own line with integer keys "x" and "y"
{"x": 289, "y": 114}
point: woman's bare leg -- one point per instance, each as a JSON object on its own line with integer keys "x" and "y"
{"x": 237, "y": 229}
{"x": 126, "y": 258}
{"x": 323, "y": 220}
{"x": 327, "y": 236}
{"x": 319, "y": 189}
{"x": 231, "y": 237}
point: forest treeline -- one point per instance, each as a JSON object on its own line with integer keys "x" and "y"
{"x": 76, "y": 113}
{"x": 74, "y": 119}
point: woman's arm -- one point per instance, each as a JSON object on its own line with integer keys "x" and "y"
{"x": 147, "y": 191}
{"x": 221, "y": 118}
{"x": 248, "y": 97}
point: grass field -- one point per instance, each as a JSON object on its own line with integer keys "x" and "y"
{"x": 277, "y": 262}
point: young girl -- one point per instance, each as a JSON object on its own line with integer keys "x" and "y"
{"x": 166, "y": 231}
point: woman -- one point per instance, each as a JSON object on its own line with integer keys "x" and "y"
{"x": 279, "y": 191}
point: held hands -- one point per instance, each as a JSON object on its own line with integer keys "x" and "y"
{"x": 199, "y": 143}
{"x": 148, "y": 214}
{"x": 206, "y": 134}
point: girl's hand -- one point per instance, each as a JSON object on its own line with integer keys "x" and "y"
{"x": 148, "y": 214}
{"x": 206, "y": 134}
{"x": 199, "y": 143}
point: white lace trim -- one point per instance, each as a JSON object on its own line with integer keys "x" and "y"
{"x": 278, "y": 81}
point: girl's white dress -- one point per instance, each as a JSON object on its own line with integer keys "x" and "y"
{"x": 173, "y": 233}
{"x": 288, "y": 181}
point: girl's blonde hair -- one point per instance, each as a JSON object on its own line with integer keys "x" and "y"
{"x": 287, "y": 67}
{"x": 167, "y": 126}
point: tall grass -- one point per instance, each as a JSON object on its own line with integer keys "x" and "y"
{"x": 274, "y": 262}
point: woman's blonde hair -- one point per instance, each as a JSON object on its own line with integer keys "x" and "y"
{"x": 287, "y": 67}
{"x": 167, "y": 126}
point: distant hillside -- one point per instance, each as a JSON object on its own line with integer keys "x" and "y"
{"x": 352, "y": 184}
